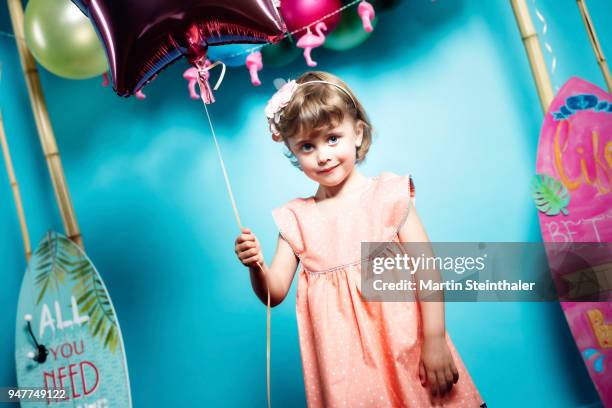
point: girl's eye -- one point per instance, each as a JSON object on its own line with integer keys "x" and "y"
{"x": 306, "y": 147}
{"x": 333, "y": 139}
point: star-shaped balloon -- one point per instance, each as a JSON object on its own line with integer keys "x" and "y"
{"x": 141, "y": 37}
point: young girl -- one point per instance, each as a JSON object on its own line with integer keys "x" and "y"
{"x": 354, "y": 353}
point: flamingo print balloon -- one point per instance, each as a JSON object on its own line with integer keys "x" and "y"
{"x": 310, "y": 41}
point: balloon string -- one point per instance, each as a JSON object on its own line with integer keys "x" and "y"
{"x": 237, "y": 215}
{"x": 225, "y": 176}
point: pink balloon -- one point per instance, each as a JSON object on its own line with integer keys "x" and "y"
{"x": 299, "y": 14}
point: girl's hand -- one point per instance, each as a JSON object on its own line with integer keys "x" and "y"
{"x": 247, "y": 248}
{"x": 437, "y": 369}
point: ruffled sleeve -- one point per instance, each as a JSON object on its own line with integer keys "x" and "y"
{"x": 286, "y": 220}
{"x": 397, "y": 194}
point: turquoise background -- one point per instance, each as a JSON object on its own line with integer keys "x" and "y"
{"x": 449, "y": 90}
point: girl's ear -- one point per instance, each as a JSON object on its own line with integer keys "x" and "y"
{"x": 359, "y": 125}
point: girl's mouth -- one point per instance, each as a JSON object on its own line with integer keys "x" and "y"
{"x": 328, "y": 170}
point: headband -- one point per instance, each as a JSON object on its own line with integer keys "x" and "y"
{"x": 282, "y": 97}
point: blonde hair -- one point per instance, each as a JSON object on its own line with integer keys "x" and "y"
{"x": 317, "y": 107}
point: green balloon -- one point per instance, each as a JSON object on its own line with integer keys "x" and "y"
{"x": 63, "y": 40}
{"x": 281, "y": 53}
{"x": 349, "y": 32}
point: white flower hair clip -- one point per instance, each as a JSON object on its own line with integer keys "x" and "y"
{"x": 274, "y": 108}
{"x": 282, "y": 97}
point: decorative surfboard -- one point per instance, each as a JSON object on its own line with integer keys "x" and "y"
{"x": 573, "y": 192}
{"x": 67, "y": 334}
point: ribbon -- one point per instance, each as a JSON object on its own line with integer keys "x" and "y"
{"x": 203, "y": 66}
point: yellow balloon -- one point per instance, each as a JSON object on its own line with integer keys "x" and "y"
{"x": 63, "y": 40}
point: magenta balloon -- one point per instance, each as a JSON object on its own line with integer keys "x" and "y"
{"x": 141, "y": 37}
{"x": 302, "y": 13}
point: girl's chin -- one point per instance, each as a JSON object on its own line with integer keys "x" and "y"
{"x": 331, "y": 179}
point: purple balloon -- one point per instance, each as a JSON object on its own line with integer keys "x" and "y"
{"x": 141, "y": 37}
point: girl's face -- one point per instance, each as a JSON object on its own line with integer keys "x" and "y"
{"x": 329, "y": 156}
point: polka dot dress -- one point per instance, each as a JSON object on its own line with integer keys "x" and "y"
{"x": 357, "y": 353}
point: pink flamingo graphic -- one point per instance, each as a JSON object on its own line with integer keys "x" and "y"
{"x": 366, "y": 12}
{"x": 309, "y": 41}
{"x": 254, "y": 64}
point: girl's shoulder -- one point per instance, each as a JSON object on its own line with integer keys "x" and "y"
{"x": 289, "y": 219}
{"x": 294, "y": 204}
{"x": 389, "y": 177}
{"x": 391, "y": 183}
{"x": 394, "y": 192}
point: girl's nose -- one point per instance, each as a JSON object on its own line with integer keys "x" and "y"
{"x": 323, "y": 158}
{"x": 322, "y": 155}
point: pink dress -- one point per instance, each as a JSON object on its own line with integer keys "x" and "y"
{"x": 357, "y": 353}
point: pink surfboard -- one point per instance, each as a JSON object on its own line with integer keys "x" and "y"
{"x": 575, "y": 159}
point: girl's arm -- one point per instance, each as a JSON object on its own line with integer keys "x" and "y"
{"x": 437, "y": 369}
{"x": 277, "y": 277}
{"x": 432, "y": 313}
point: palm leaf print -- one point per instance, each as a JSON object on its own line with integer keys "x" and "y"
{"x": 92, "y": 300}
{"x": 58, "y": 259}
{"x": 54, "y": 262}
{"x": 550, "y": 195}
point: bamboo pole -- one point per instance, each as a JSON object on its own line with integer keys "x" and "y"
{"x": 601, "y": 60}
{"x": 534, "y": 52}
{"x": 15, "y": 187}
{"x": 45, "y": 131}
